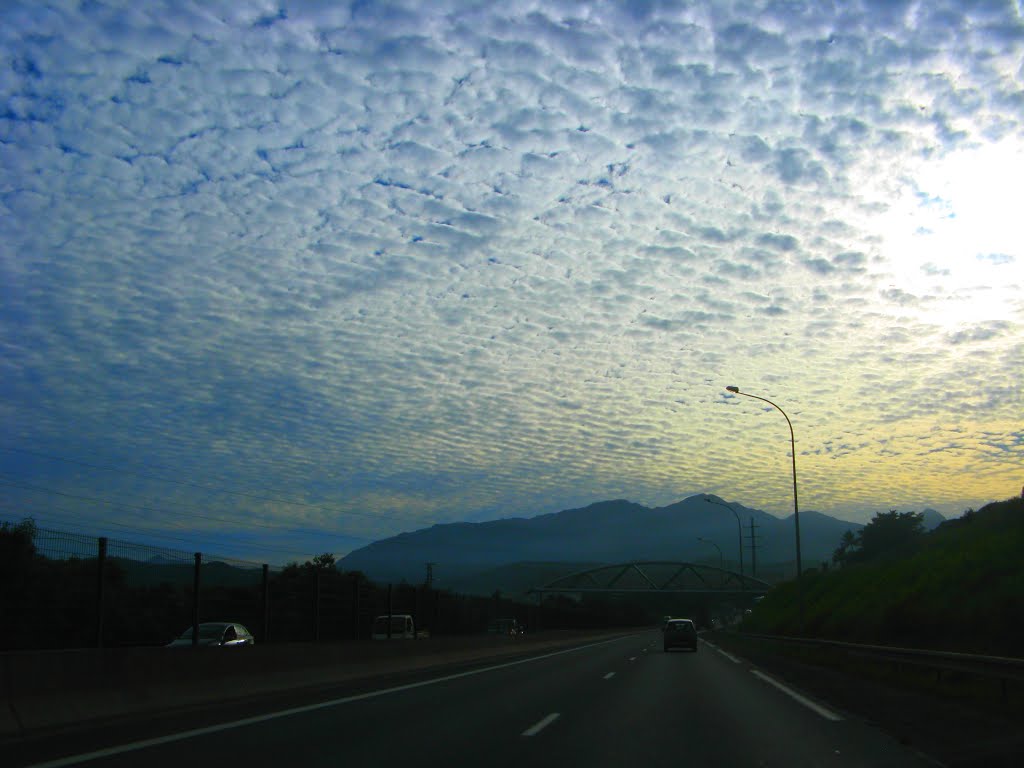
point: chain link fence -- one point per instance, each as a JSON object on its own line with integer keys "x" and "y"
{"x": 68, "y": 590}
{"x": 61, "y": 545}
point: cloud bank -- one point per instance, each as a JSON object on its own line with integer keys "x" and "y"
{"x": 384, "y": 265}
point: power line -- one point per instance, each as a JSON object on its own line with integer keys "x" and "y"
{"x": 72, "y": 525}
{"x": 194, "y": 543}
{"x": 201, "y": 486}
{"x": 269, "y": 526}
{"x": 99, "y": 521}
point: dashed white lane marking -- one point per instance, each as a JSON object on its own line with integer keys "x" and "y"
{"x": 632, "y": 658}
{"x": 828, "y": 714}
{"x": 536, "y": 728}
{"x": 727, "y": 655}
{"x": 609, "y": 676}
{"x": 190, "y": 734}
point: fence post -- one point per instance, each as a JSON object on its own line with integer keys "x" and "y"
{"x": 266, "y": 603}
{"x": 355, "y": 607}
{"x": 389, "y": 611}
{"x": 417, "y": 591}
{"x": 195, "y": 599}
{"x": 101, "y": 560}
{"x": 316, "y": 605}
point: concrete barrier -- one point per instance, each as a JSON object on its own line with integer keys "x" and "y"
{"x": 45, "y": 691}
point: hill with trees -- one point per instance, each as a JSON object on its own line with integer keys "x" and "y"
{"x": 958, "y": 587}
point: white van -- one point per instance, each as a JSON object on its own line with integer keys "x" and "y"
{"x": 402, "y": 627}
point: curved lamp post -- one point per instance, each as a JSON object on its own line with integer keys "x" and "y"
{"x": 739, "y": 525}
{"x": 721, "y": 560}
{"x": 792, "y": 443}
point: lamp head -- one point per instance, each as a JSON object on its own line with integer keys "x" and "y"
{"x": 733, "y": 389}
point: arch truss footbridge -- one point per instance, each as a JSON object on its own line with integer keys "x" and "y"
{"x": 656, "y": 577}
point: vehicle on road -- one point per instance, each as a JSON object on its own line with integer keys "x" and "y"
{"x": 216, "y": 633}
{"x": 510, "y": 627}
{"x": 680, "y": 633}
{"x": 402, "y": 627}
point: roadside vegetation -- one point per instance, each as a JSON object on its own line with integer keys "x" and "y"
{"x": 58, "y": 602}
{"x": 959, "y": 587}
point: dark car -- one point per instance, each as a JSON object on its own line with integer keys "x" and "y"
{"x": 216, "y": 633}
{"x": 680, "y": 633}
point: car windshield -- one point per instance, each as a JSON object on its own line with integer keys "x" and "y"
{"x": 397, "y": 624}
{"x": 206, "y": 632}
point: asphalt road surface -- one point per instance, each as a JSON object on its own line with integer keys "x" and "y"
{"x": 621, "y": 702}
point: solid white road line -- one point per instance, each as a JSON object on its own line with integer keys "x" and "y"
{"x": 609, "y": 676}
{"x": 536, "y": 728}
{"x": 828, "y": 714}
{"x": 727, "y": 655}
{"x": 182, "y": 735}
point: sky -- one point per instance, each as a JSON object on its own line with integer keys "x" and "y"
{"x": 281, "y": 278}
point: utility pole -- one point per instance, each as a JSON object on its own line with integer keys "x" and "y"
{"x": 428, "y": 582}
{"x": 753, "y": 547}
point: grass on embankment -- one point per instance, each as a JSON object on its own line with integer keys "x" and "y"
{"x": 962, "y": 590}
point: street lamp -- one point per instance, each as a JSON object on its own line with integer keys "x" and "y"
{"x": 721, "y": 562}
{"x": 739, "y": 525}
{"x": 792, "y": 443}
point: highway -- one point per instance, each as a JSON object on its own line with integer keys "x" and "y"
{"x": 620, "y": 702}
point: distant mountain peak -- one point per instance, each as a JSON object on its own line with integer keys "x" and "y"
{"x": 611, "y": 531}
{"x": 932, "y": 518}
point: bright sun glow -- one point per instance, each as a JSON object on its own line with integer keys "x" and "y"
{"x": 957, "y": 225}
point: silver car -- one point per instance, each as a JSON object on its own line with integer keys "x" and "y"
{"x": 216, "y": 633}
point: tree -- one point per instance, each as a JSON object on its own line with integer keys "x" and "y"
{"x": 17, "y": 544}
{"x": 847, "y": 547}
{"x": 324, "y": 562}
{"x": 889, "y": 535}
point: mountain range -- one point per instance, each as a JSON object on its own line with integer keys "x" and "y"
{"x": 510, "y": 553}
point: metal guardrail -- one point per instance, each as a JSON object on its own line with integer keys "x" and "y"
{"x": 1002, "y": 668}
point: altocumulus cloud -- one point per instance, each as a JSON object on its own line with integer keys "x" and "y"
{"x": 379, "y": 266}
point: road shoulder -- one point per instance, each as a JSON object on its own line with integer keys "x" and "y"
{"x": 952, "y": 732}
